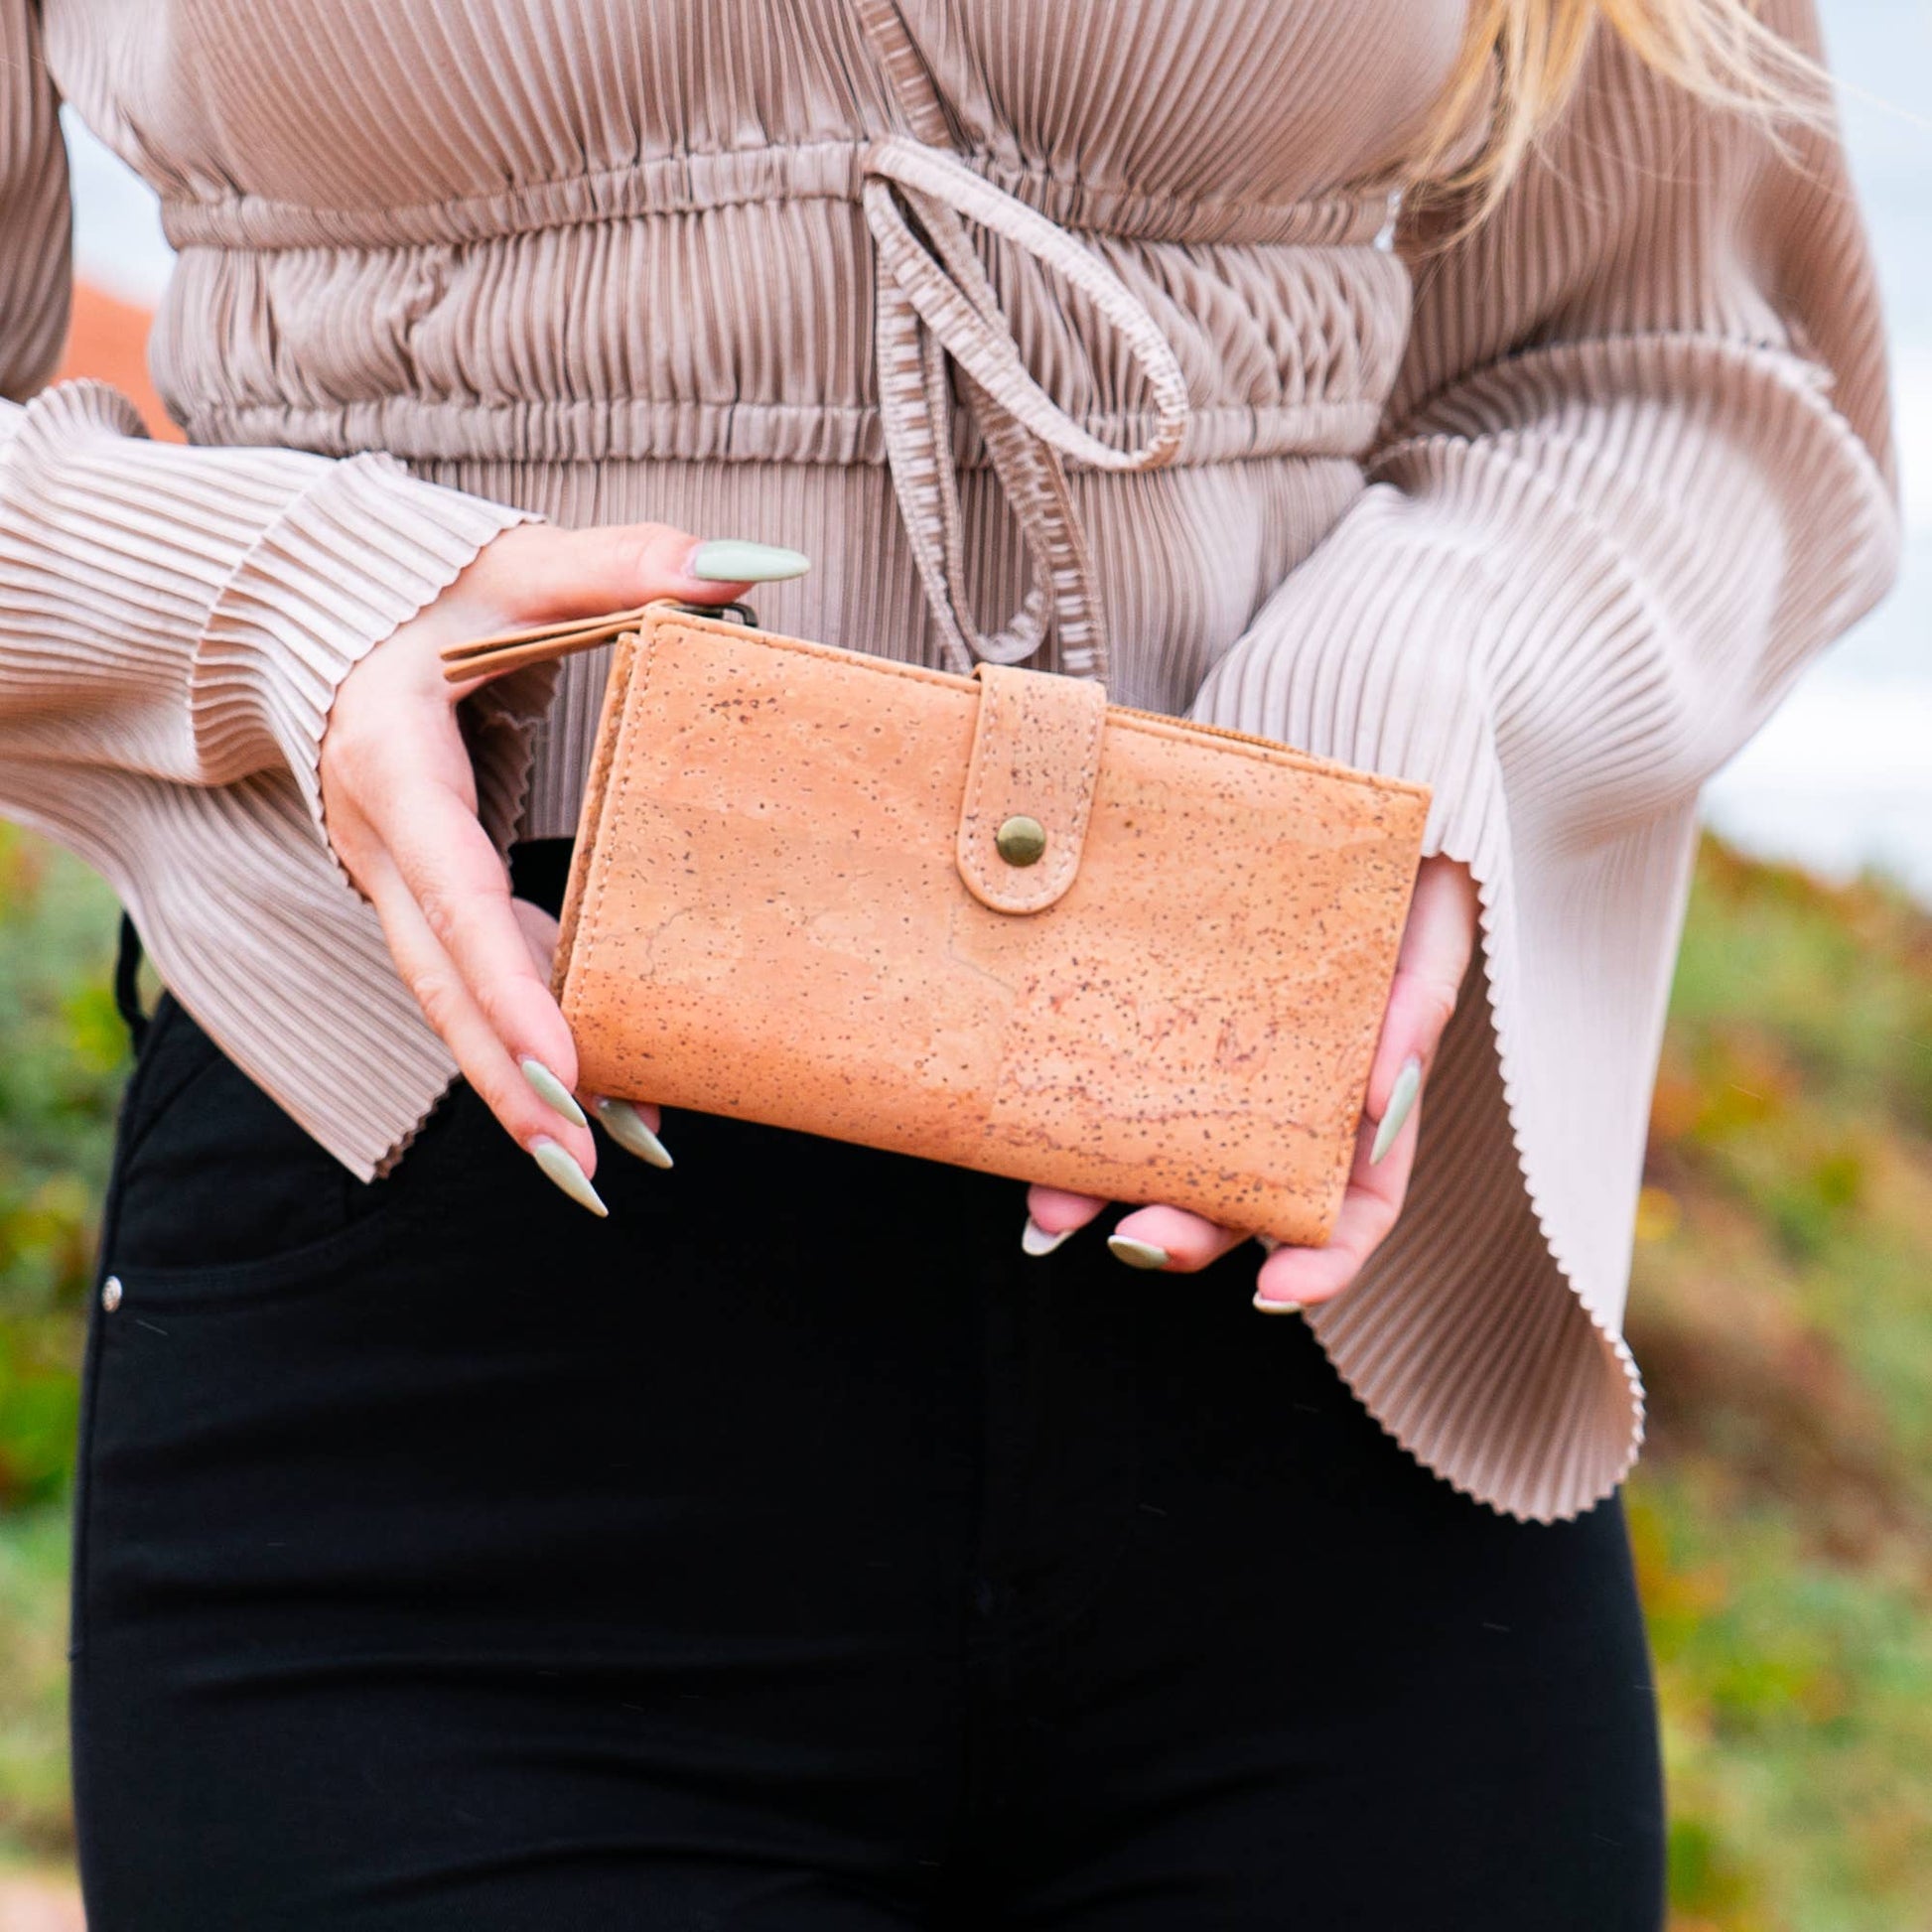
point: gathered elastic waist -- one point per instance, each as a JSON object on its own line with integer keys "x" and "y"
{"x": 687, "y": 184}
{"x": 600, "y": 428}
{"x": 880, "y": 301}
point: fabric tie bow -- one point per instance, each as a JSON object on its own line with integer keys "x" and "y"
{"x": 936, "y": 301}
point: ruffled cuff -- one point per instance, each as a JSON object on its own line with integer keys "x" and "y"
{"x": 358, "y": 552}
{"x": 1484, "y": 1334}
{"x": 189, "y": 612}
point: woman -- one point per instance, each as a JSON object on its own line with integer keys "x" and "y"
{"x": 824, "y": 1539}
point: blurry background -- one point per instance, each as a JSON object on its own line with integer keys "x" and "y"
{"x": 1782, "y": 1309}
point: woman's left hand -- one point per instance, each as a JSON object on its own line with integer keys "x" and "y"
{"x": 1434, "y": 954}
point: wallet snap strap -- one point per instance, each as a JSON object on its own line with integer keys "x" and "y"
{"x": 1029, "y": 787}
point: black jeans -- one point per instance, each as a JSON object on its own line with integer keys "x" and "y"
{"x": 786, "y": 1552}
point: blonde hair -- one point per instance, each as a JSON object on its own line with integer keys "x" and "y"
{"x": 1525, "y": 56}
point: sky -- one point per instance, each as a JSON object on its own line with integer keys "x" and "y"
{"x": 1841, "y": 775}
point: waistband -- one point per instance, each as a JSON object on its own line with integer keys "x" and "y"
{"x": 802, "y": 171}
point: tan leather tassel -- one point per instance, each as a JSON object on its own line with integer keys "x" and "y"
{"x": 537, "y": 643}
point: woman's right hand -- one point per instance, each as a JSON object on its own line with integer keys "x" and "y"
{"x": 399, "y": 803}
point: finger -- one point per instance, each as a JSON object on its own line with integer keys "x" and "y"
{"x": 1052, "y": 1214}
{"x": 547, "y": 573}
{"x": 1171, "y": 1239}
{"x": 480, "y": 1055}
{"x": 1438, "y": 945}
{"x": 634, "y": 1127}
{"x": 1059, "y": 1212}
{"x": 1307, "y": 1277}
{"x": 461, "y": 889}
{"x": 1292, "y": 1278}
{"x": 539, "y": 929}
{"x": 1437, "y": 942}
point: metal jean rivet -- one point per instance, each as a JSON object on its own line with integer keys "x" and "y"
{"x": 110, "y": 1293}
{"x": 1021, "y": 839}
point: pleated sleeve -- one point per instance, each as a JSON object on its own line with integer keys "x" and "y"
{"x": 174, "y": 625}
{"x": 1636, "y": 474}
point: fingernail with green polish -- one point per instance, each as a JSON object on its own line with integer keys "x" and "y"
{"x": 1136, "y": 1254}
{"x": 1277, "y": 1307}
{"x": 1034, "y": 1239}
{"x": 1402, "y": 1099}
{"x": 737, "y": 560}
{"x": 552, "y": 1091}
{"x": 561, "y": 1165}
{"x": 626, "y": 1125}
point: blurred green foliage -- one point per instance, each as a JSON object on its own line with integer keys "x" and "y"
{"x": 60, "y": 1071}
{"x": 60, "y": 1074}
{"x": 1783, "y": 1312}
{"x": 1781, "y": 1516}
{"x": 36, "y": 1810}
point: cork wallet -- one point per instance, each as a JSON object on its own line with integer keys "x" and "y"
{"x": 992, "y": 920}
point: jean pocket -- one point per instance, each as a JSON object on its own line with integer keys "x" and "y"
{"x": 211, "y": 1295}
{"x": 218, "y": 1190}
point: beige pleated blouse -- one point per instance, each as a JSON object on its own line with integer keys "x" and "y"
{"x": 1550, "y": 518}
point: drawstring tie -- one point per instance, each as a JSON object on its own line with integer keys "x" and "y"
{"x": 934, "y": 302}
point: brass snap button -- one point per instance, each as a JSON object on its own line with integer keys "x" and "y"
{"x": 1021, "y": 839}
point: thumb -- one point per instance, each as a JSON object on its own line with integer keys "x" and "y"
{"x": 538, "y": 573}
{"x": 1436, "y": 945}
